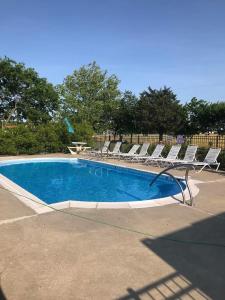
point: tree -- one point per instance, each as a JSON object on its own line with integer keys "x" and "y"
{"x": 89, "y": 94}
{"x": 216, "y": 117}
{"x": 160, "y": 111}
{"x": 24, "y": 96}
{"x": 124, "y": 116}
{"x": 197, "y": 116}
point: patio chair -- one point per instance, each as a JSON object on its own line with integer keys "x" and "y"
{"x": 172, "y": 155}
{"x": 189, "y": 156}
{"x": 143, "y": 152}
{"x": 103, "y": 150}
{"x": 209, "y": 160}
{"x": 155, "y": 154}
{"x": 116, "y": 149}
{"x": 131, "y": 152}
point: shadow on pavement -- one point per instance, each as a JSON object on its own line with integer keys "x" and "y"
{"x": 2, "y": 296}
{"x": 199, "y": 268}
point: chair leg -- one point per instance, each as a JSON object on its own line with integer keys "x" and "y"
{"x": 202, "y": 168}
{"x": 218, "y": 165}
{"x": 158, "y": 164}
{"x": 146, "y": 162}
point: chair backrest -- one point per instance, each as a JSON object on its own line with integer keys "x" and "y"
{"x": 116, "y": 148}
{"x": 158, "y": 150}
{"x": 105, "y": 146}
{"x": 190, "y": 153}
{"x": 144, "y": 149}
{"x": 212, "y": 155}
{"x": 173, "y": 153}
{"x": 134, "y": 149}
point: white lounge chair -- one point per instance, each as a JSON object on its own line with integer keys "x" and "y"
{"x": 131, "y": 152}
{"x": 189, "y": 156}
{"x": 116, "y": 149}
{"x": 155, "y": 154}
{"x": 172, "y": 155}
{"x": 103, "y": 150}
{"x": 209, "y": 160}
{"x": 143, "y": 152}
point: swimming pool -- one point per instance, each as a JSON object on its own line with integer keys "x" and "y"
{"x": 59, "y": 180}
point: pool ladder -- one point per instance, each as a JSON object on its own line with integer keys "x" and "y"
{"x": 187, "y": 168}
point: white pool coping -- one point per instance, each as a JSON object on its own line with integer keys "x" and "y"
{"x": 40, "y": 206}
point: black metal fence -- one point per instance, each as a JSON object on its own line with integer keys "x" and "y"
{"x": 202, "y": 140}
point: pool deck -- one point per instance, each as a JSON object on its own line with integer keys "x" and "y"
{"x": 146, "y": 253}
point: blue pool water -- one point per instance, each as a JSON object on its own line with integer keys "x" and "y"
{"x": 56, "y": 181}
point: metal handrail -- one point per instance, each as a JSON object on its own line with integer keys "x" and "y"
{"x": 188, "y": 167}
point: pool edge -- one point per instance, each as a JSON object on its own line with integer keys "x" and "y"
{"x": 39, "y": 206}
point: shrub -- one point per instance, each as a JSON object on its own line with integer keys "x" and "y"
{"x": 166, "y": 150}
{"x": 201, "y": 153}
{"x": 125, "y": 147}
{"x": 25, "y": 140}
{"x": 48, "y": 138}
{"x": 83, "y": 133}
{"x": 7, "y": 143}
{"x": 151, "y": 149}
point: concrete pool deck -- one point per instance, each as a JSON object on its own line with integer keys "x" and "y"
{"x": 116, "y": 254}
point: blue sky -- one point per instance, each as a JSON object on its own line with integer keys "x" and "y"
{"x": 177, "y": 43}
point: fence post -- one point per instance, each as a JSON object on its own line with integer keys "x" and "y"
{"x": 217, "y": 141}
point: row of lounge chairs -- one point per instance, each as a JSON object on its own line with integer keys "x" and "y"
{"x": 156, "y": 157}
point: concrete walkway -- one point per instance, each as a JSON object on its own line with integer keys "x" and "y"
{"x": 167, "y": 252}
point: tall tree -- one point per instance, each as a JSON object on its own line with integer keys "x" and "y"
{"x": 197, "y": 116}
{"x": 90, "y": 95}
{"x": 203, "y": 116}
{"x": 24, "y": 96}
{"x": 216, "y": 117}
{"x": 125, "y": 117}
{"x": 160, "y": 112}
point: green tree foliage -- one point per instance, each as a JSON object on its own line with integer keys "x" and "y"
{"x": 203, "y": 116}
{"x": 91, "y": 99}
{"x": 124, "y": 116}
{"x": 197, "y": 114}
{"x": 30, "y": 139}
{"x": 90, "y": 95}
{"x": 216, "y": 116}
{"x": 160, "y": 112}
{"x": 83, "y": 132}
{"x": 24, "y": 96}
